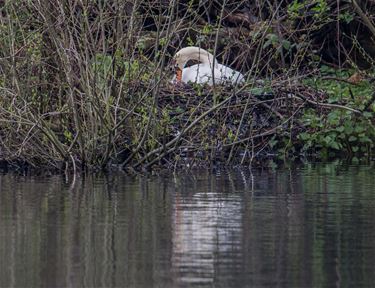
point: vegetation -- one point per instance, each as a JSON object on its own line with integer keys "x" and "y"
{"x": 86, "y": 84}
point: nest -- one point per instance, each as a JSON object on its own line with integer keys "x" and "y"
{"x": 205, "y": 125}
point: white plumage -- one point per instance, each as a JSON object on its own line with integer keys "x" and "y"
{"x": 204, "y": 72}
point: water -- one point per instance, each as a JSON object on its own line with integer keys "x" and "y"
{"x": 305, "y": 226}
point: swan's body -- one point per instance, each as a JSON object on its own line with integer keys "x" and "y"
{"x": 203, "y": 72}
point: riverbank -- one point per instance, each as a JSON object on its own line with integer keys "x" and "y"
{"x": 87, "y": 87}
{"x": 201, "y": 126}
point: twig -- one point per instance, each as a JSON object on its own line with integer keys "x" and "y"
{"x": 300, "y": 96}
{"x": 364, "y": 17}
{"x": 176, "y": 139}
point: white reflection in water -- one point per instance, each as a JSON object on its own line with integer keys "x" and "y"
{"x": 205, "y": 226}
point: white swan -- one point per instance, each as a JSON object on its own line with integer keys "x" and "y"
{"x": 202, "y": 73}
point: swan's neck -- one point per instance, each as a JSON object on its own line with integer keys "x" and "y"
{"x": 204, "y": 57}
{"x": 195, "y": 53}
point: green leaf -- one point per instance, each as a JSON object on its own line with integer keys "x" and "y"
{"x": 359, "y": 129}
{"x": 304, "y": 136}
{"x": 365, "y": 139}
{"x": 335, "y": 145}
{"x": 346, "y": 17}
{"x": 257, "y": 91}
{"x": 348, "y": 129}
{"x": 272, "y": 39}
{"x": 328, "y": 139}
{"x": 352, "y": 138}
{"x": 286, "y": 44}
{"x": 355, "y": 160}
{"x": 340, "y": 129}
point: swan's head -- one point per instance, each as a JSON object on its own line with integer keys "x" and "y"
{"x": 191, "y": 53}
{"x": 177, "y": 68}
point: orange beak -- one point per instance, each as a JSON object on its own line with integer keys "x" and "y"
{"x": 178, "y": 74}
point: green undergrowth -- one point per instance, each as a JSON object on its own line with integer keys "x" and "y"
{"x": 340, "y": 131}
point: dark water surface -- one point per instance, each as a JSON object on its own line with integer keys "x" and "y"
{"x": 306, "y": 226}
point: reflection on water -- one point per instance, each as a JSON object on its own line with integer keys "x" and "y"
{"x": 305, "y": 226}
{"x": 206, "y": 228}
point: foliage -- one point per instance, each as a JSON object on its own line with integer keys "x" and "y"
{"x": 339, "y": 131}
